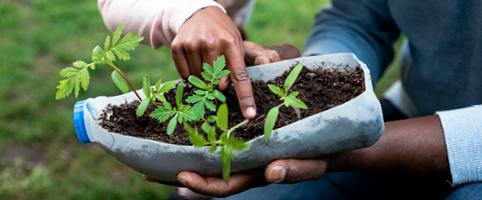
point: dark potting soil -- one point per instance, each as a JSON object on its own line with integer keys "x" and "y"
{"x": 320, "y": 89}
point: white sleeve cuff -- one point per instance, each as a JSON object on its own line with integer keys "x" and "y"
{"x": 463, "y": 138}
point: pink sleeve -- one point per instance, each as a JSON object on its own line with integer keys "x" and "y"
{"x": 157, "y": 20}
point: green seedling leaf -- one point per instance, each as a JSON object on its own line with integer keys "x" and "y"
{"x": 119, "y": 82}
{"x": 210, "y": 105}
{"x": 146, "y": 86}
{"x": 275, "y": 89}
{"x": 171, "y": 126}
{"x": 295, "y": 102}
{"x": 161, "y": 114}
{"x": 236, "y": 144}
{"x": 179, "y": 95}
{"x": 68, "y": 72}
{"x": 107, "y": 42}
{"x": 194, "y": 99}
{"x": 270, "y": 122}
{"x": 116, "y": 35}
{"x": 84, "y": 78}
{"x": 80, "y": 64}
{"x": 77, "y": 86}
{"x": 292, "y": 76}
{"x": 64, "y": 88}
{"x": 198, "y": 109}
{"x": 198, "y": 82}
{"x": 212, "y": 118}
{"x": 220, "y": 96}
{"x": 222, "y": 117}
{"x": 167, "y": 86}
{"x": 194, "y": 137}
{"x": 226, "y": 156}
{"x": 219, "y": 64}
{"x": 141, "y": 109}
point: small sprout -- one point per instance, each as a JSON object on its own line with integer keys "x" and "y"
{"x": 288, "y": 99}
{"x": 153, "y": 94}
{"x": 227, "y": 142}
{"x": 179, "y": 114}
{"x": 206, "y": 94}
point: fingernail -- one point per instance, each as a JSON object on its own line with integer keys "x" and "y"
{"x": 277, "y": 174}
{"x": 183, "y": 179}
{"x": 250, "y": 111}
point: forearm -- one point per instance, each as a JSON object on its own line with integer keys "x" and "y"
{"x": 414, "y": 145}
{"x": 157, "y": 20}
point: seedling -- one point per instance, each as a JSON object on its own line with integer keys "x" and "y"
{"x": 180, "y": 114}
{"x": 206, "y": 93}
{"x": 227, "y": 142}
{"x": 154, "y": 95}
{"x": 115, "y": 48}
{"x": 288, "y": 99}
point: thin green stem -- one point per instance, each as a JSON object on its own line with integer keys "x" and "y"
{"x": 237, "y": 126}
{"x": 125, "y": 78}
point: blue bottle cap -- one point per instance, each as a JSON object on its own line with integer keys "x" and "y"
{"x": 79, "y": 123}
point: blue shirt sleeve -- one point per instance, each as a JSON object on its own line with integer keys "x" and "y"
{"x": 463, "y": 138}
{"x": 362, "y": 27}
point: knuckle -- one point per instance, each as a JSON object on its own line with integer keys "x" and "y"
{"x": 191, "y": 46}
{"x": 241, "y": 75}
{"x": 228, "y": 40}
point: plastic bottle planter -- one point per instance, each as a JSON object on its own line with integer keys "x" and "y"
{"x": 354, "y": 124}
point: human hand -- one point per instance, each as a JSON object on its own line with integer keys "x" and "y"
{"x": 256, "y": 54}
{"x": 280, "y": 171}
{"x": 205, "y": 36}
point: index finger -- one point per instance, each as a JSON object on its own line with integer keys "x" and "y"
{"x": 241, "y": 82}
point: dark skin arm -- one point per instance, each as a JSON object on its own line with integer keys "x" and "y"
{"x": 411, "y": 146}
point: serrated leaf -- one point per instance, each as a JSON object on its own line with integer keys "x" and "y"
{"x": 195, "y": 138}
{"x": 79, "y": 64}
{"x": 220, "y": 96}
{"x": 219, "y": 64}
{"x": 76, "y": 86}
{"x": 210, "y": 105}
{"x": 64, "y": 88}
{"x": 295, "y": 102}
{"x": 275, "y": 89}
{"x": 197, "y": 82}
{"x": 208, "y": 69}
{"x": 162, "y": 114}
{"x": 226, "y": 156}
{"x": 121, "y": 54}
{"x": 84, "y": 78}
{"x": 146, "y": 86}
{"x": 129, "y": 42}
{"x": 107, "y": 42}
{"x": 292, "y": 76}
{"x": 167, "y": 86}
{"x": 222, "y": 117}
{"x": 141, "y": 109}
{"x": 179, "y": 95}
{"x": 206, "y": 76}
{"x": 98, "y": 54}
{"x": 222, "y": 74}
{"x": 187, "y": 115}
{"x": 270, "y": 122}
{"x": 171, "y": 126}
{"x": 116, "y": 35}
{"x": 209, "y": 96}
{"x": 119, "y": 82}
{"x": 110, "y": 56}
{"x": 68, "y": 72}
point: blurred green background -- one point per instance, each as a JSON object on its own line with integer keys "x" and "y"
{"x": 40, "y": 157}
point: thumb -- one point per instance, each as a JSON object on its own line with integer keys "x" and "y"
{"x": 293, "y": 170}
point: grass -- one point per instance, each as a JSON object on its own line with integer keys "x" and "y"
{"x": 40, "y": 157}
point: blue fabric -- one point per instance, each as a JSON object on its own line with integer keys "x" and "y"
{"x": 443, "y": 68}
{"x": 467, "y": 192}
